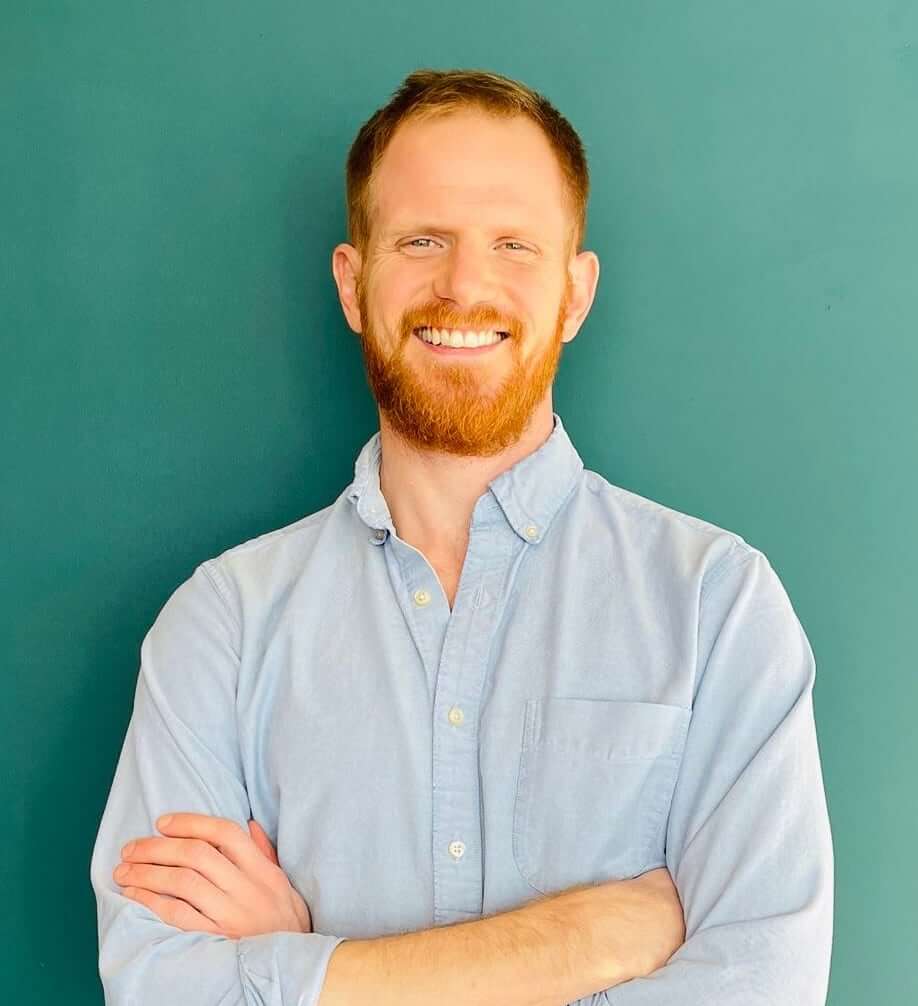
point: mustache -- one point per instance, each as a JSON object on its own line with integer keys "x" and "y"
{"x": 411, "y": 325}
{"x": 434, "y": 314}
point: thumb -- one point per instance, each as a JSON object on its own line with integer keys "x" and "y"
{"x": 260, "y": 838}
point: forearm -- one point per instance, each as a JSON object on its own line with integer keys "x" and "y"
{"x": 547, "y": 953}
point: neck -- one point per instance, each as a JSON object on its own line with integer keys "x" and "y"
{"x": 431, "y": 494}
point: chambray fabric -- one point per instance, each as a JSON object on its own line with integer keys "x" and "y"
{"x": 619, "y": 687}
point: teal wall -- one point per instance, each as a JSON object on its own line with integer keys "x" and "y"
{"x": 177, "y": 375}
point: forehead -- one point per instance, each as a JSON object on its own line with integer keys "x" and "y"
{"x": 469, "y": 169}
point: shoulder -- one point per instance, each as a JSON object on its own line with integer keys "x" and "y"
{"x": 679, "y": 543}
{"x": 262, "y": 568}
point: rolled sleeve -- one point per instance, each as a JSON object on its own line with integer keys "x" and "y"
{"x": 749, "y": 844}
{"x": 181, "y": 752}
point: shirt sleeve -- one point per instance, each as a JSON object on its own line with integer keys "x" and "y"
{"x": 749, "y": 844}
{"x": 181, "y": 752}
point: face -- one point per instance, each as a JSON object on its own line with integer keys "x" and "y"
{"x": 471, "y": 234}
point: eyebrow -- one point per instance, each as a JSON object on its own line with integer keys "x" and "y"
{"x": 434, "y": 228}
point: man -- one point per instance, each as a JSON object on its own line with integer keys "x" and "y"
{"x": 503, "y": 721}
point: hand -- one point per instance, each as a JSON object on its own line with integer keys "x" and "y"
{"x": 639, "y": 922}
{"x": 210, "y": 876}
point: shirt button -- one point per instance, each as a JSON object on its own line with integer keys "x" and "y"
{"x": 531, "y": 531}
{"x": 455, "y": 715}
{"x": 379, "y": 534}
{"x": 456, "y": 849}
{"x": 421, "y": 597}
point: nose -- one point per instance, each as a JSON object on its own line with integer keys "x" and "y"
{"x": 465, "y": 278}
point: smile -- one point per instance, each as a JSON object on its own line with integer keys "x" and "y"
{"x": 459, "y": 342}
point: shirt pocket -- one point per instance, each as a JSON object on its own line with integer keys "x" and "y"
{"x": 596, "y": 779}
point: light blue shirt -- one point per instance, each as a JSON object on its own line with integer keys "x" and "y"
{"x": 618, "y": 687}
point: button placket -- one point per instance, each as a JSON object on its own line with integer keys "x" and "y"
{"x": 460, "y": 679}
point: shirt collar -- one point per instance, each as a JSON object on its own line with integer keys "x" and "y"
{"x": 528, "y": 494}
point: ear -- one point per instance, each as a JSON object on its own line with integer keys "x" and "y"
{"x": 584, "y": 279}
{"x": 346, "y": 266}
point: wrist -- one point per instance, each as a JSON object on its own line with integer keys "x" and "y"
{"x": 602, "y": 952}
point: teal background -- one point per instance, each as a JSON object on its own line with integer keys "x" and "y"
{"x": 177, "y": 375}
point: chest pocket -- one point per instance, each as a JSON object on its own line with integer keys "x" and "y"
{"x": 596, "y": 779}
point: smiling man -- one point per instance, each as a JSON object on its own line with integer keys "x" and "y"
{"x": 465, "y": 293}
{"x": 488, "y": 729}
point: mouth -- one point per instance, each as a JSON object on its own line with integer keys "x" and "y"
{"x": 454, "y": 342}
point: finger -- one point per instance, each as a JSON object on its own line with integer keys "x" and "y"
{"x": 194, "y": 853}
{"x": 259, "y": 836}
{"x": 172, "y": 911}
{"x": 226, "y": 836}
{"x": 178, "y": 882}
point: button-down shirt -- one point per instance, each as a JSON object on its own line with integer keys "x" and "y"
{"x": 618, "y": 687}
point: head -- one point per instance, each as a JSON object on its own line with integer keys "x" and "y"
{"x": 466, "y": 201}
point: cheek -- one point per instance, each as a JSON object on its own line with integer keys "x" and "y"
{"x": 390, "y": 297}
{"x": 533, "y": 295}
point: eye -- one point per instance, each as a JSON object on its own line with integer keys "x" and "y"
{"x": 519, "y": 246}
{"x": 417, "y": 243}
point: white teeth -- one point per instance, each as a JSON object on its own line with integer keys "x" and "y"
{"x": 457, "y": 339}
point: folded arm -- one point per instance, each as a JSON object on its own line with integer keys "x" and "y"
{"x": 748, "y": 839}
{"x": 546, "y": 953}
{"x": 181, "y": 754}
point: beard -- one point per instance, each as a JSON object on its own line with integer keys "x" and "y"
{"x": 453, "y": 406}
